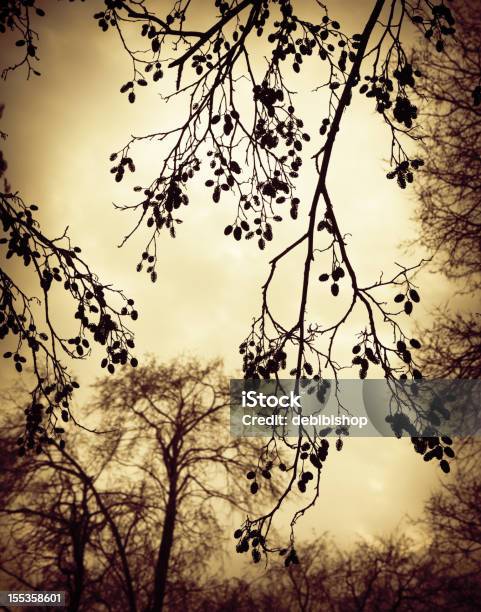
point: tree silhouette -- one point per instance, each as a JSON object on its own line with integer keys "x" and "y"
{"x": 71, "y": 531}
{"x": 452, "y": 346}
{"x": 453, "y": 515}
{"x": 449, "y": 190}
{"x": 167, "y": 466}
{"x": 27, "y": 323}
{"x": 255, "y": 155}
{"x": 387, "y": 574}
{"x": 187, "y": 459}
{"x": 80, "y": 524}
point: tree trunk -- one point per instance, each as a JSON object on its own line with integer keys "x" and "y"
{"x": 78, "y": 578}
{"x": 162, "y": 565}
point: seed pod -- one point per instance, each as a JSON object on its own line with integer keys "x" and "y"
{"x": 448, "y": 451}
{"x": 123, "y": 89}
{"x": 438, "y": 452}
{"x": 408, "y": 307}
{"x": 337, "y": 274}
{"x": 444, "y": 465}
{"x": 414, "y": 295}
{"x": 335, "y": 289}
{"x": 399, "y": 298}
{"x": 429, "y": 455}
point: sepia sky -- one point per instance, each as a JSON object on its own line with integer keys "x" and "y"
{"x": 62, "y": 128}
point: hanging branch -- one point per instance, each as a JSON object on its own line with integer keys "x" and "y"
{"x": 27, "y": 323}
{"x": 255, "y": 155}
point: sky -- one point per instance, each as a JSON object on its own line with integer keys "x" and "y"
{"x": 62, "y": 128}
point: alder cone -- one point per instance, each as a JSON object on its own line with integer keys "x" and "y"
{"x": 444, "y": 465}
{"x": 414, "y": 295}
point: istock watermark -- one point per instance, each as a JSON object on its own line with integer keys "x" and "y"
{"x": 322, "y": 420}
{"x": 367, "y": 408}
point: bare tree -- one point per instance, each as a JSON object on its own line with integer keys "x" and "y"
{"x": 449, "y": 190}
{"x": 452, "y": 346}
{"x": 63, "y": 528}
{"x": 388, "y": 574}
{"x": 453, "y": 515}
{"x": 173, "y": 433}
{"x": 129, "y": 518}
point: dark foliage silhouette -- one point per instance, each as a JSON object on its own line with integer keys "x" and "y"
{"x": 27, "y": 323}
